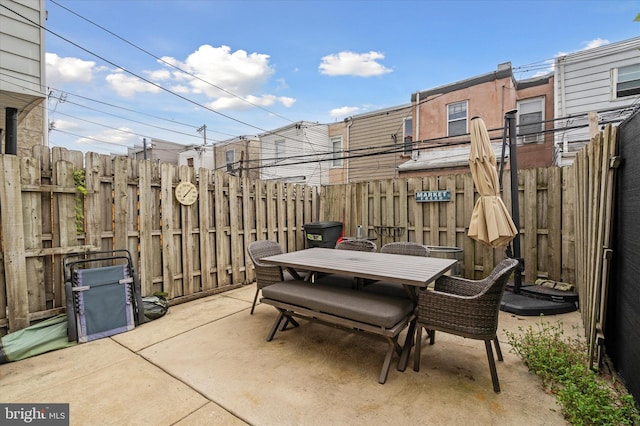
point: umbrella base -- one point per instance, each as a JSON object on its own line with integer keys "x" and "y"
{"x": 526, "y": 305}
{"x": 545, "y": 293}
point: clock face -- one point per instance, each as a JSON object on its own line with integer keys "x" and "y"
{"x": 186, "y": 193}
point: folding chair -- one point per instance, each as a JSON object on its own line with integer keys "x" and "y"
{"x": 103, "y": 294}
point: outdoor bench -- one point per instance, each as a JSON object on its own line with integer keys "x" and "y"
{"x": 344, "y": 308}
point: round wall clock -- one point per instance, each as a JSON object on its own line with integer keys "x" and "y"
{"x": 186, "y": 193}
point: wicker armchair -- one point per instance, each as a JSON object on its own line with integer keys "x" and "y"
{"x": 266, "y": 274}
{"x": 406, "y": 248}
{"x": 357, "y": 245}
{"x": 465, "y": 308}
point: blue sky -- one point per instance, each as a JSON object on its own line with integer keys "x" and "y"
{"x": 246, "y": 67}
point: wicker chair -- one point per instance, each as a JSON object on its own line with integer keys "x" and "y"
{"x": 465, "y": 308}
{"x": 357, "y": 245}
{"x": 266, "y": 274}
{"x": 406, "y": 248}
{"x": 403, "y": 248}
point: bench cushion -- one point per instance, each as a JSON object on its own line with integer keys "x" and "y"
{"x": 369, "y": 308}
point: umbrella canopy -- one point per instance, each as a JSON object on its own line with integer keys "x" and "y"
{"x": 491, "y": 222}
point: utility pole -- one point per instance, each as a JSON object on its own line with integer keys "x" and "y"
{"x": 203, "y": 131}
{"x": 144, "y": 148}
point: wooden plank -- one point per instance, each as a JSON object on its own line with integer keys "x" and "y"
{"x": 554, "y": 223}
{"x": 452, "y": 229}
{"x": 235, "y": 214}
{"x": 66, "y": 213}
{"x": 120, "y": 203}
{"x": 32, "y": 216}
{"x": 291, "y": 217}
{"x": 434, "y": 214}
{"x": 281, "y": 213}
{"x": 187, "y": 244}
{"x": 301, "y": 201}
{"x": 403, "y": 210}
{"x": 145, "y": 272}
{"x": 261, "y": 211}
{"x": 272, "y": 218}
{"x": 204, "y": 224}
{"x": 14, "y": 244}
{"x": 529, "y": 211}
{"x": 168, "y": 242}
{"x": 222, "y": 246}
{"x": 469, "y": 245}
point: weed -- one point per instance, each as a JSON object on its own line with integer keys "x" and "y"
{"x": 561, "y": 362}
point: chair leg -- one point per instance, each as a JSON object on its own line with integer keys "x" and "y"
{"x": 432, "y": 336}
{"x": 492, "y": 366}
{"x": 418, "y": 345}
{"x": 498, "y": 351}
{"x": 255, "y": 298}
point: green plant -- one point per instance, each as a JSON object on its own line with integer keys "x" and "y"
{"x": 587, "y": 398}
{"x": 79, "y": 181}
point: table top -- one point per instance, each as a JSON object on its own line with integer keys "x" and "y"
{"x": 410, "y": 270}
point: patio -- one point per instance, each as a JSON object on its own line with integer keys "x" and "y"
{"x": 207, "y": 362}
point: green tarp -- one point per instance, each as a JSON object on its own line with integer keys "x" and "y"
{"x": 37, "y": 339}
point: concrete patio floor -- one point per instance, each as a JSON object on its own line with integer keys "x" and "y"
{"x": 207, "y": 363}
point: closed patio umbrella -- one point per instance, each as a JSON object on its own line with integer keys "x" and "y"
{"x": 491, "y": 222}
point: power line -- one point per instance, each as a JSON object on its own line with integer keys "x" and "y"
{"x": 168, "y": 63}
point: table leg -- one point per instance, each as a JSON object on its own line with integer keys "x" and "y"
{"x": 408, "y": 344}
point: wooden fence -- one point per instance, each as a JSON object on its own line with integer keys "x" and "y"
{"x": 60, "y": 202}
{"x": 546, "y": 199}
{"x": 595, "y": 168}
{"x": 194, "y": 251}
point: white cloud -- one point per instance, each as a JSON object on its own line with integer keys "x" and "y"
{"x": 343, "y": 111}
{"x": 127, "y": 86}
{"x": 238, "y": 72}
{"x": 230, "y": 102}
{"x": 597, "y": 42}
{"x": 350, "y": 63}
{"x": 68, "y": 70}
{"x": 120, "y": 137}
{"x": 159, "y": 75}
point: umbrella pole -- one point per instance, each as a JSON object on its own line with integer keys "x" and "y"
{"x": 510, "y": 118}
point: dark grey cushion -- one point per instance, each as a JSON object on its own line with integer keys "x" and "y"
{"x": 387, "y": 289}
{"x": 357, "y": 305}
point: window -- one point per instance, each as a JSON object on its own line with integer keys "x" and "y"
{"x": 336, "y": 148}
{"x": 230, "y": 158}
{"x": 627, "y": 81}
{"x": 457, "y": 118}
{"x": 407, "y": 138}
{"x": 279, "y": 146}
{"x": 530, "y": 117}
{"x": 190, "y": 161}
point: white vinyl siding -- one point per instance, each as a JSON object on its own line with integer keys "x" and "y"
{"x": 294, "y": 153}
{"x": 457, "y": 118}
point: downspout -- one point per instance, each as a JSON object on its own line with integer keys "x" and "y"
{"x": 348, "y": 162}
{"x": 563, "y": 107}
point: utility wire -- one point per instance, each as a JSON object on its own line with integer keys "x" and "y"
{"x": 168, "y": 63}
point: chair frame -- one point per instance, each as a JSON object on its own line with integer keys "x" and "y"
{"x": 357, "y": 245}
{"x": 405, "y": 248}
{"x": 266, "y": 274}
{"x": 466, "y": 308}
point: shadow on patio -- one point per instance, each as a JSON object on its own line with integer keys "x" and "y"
{"x": 207, "y": 362}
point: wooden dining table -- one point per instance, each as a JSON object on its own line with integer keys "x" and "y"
{"x": 413, "y": 272}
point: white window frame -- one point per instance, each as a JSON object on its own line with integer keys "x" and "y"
{"x": 525, "y": 105}
{"x": 615, "y": 76}
{"x": 233, "y": 159}
{"x": 407, "y": 132}
{"x": 336, "y": 142}
{"x": 466, "y": 117}
{"x": 279, "y": 149}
